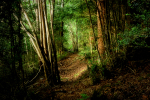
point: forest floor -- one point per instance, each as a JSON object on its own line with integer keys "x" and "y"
{"x": 129, "y": 82}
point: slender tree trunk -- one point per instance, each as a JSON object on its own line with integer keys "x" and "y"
{"x": 77, "y": 40}
{"x": 13, "y": 53}
{"x": 90, "y": 42}
{"x": 26, "y": 47}
{"x": 20, "y": 36}
{"x": 37, "y": 16}
{"x": 107, "y": 26}
{"x": 61, "y": 33}
{"x": 76, "y": 44}
{"x": 94, "y": 36}
{"x": 100, "y": 22}
{"x": 46, "y": 49}
{"x": 53, "y": 44}
{"x": 72, "y": 37}
{"x": 40, "y": 27}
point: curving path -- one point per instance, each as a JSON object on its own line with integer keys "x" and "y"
{"x": 71, "y": 70}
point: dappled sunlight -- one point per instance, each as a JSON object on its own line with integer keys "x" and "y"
{"x": 72, "y": 70}
{"x": 74, "y": 74}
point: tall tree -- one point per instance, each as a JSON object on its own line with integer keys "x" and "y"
{"x": 45, "y": 46}
{"x": 61, "y": 32}
{"x": 100, "y": 25}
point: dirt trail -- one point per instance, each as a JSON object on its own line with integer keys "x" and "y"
{"x": 129, "y": 82}
{"x": 71, "y": 70}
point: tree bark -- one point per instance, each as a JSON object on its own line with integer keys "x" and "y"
{"x": 46, "y": 48}
{"x": 100, "y": 25}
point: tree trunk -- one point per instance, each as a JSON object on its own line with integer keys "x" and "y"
{"x": 93, "y": 33}
{"x": 61, "y": 33}
{"x": 100, "y": 25}
{"x": 76, "y": 43}
{"x": 57, "y": 77}
{"x": 46, "y": 47}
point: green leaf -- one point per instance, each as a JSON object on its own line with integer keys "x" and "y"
{"x": 128, "y": 14}
{"x": 84, "y": 96}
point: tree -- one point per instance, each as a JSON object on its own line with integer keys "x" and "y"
{"x": 12, "y": 55}
{"x": 100, "y": 25}
{"x": 45, "y": 46}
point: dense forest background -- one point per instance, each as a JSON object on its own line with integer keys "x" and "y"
{"x": 36, "y": 34}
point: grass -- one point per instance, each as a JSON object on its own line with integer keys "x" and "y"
{"x": 75, "y": 75}
{"x": 84, "y": 97}
{"x": 64, "y": 78}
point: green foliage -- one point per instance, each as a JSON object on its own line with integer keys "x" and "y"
{"x": 128, "y": 36}
{"x": 96, "y": 73}
{"x": 139, "y": 10}
{"x": 84, "y": 96}
{"x": 74, "y": 15}
{"x": 60, "y": 57}
{"x": 85, "y": 53}
{"x": 135, "y": 37}
{"x": 129, "y": 2}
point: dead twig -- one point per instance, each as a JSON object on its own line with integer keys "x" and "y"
{"x": 132, "y": 70}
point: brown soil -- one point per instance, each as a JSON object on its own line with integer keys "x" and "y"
{"x": 130, "y": 82}
{"x": 71, "y": 68}
{"x": 72, "y": 84}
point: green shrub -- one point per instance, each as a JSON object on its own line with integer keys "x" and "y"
{"x": 99, "y": 72}
{"x": 84, "y": 96}
{"x": 95, "y": 74}
{"x": 135, "y": 37}
{"x": 129, "y": 36}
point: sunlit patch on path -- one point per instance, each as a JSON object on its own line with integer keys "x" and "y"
{"x": 72, "y": 69}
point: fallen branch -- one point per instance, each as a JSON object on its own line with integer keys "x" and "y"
{"x": 131, "y": 70}
{"x": 34, "y": 76}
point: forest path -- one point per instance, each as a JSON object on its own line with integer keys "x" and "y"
{"x": 74, "y": 81}
{"x": 71, "y": 68}
{"x": 129, "y": 82}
